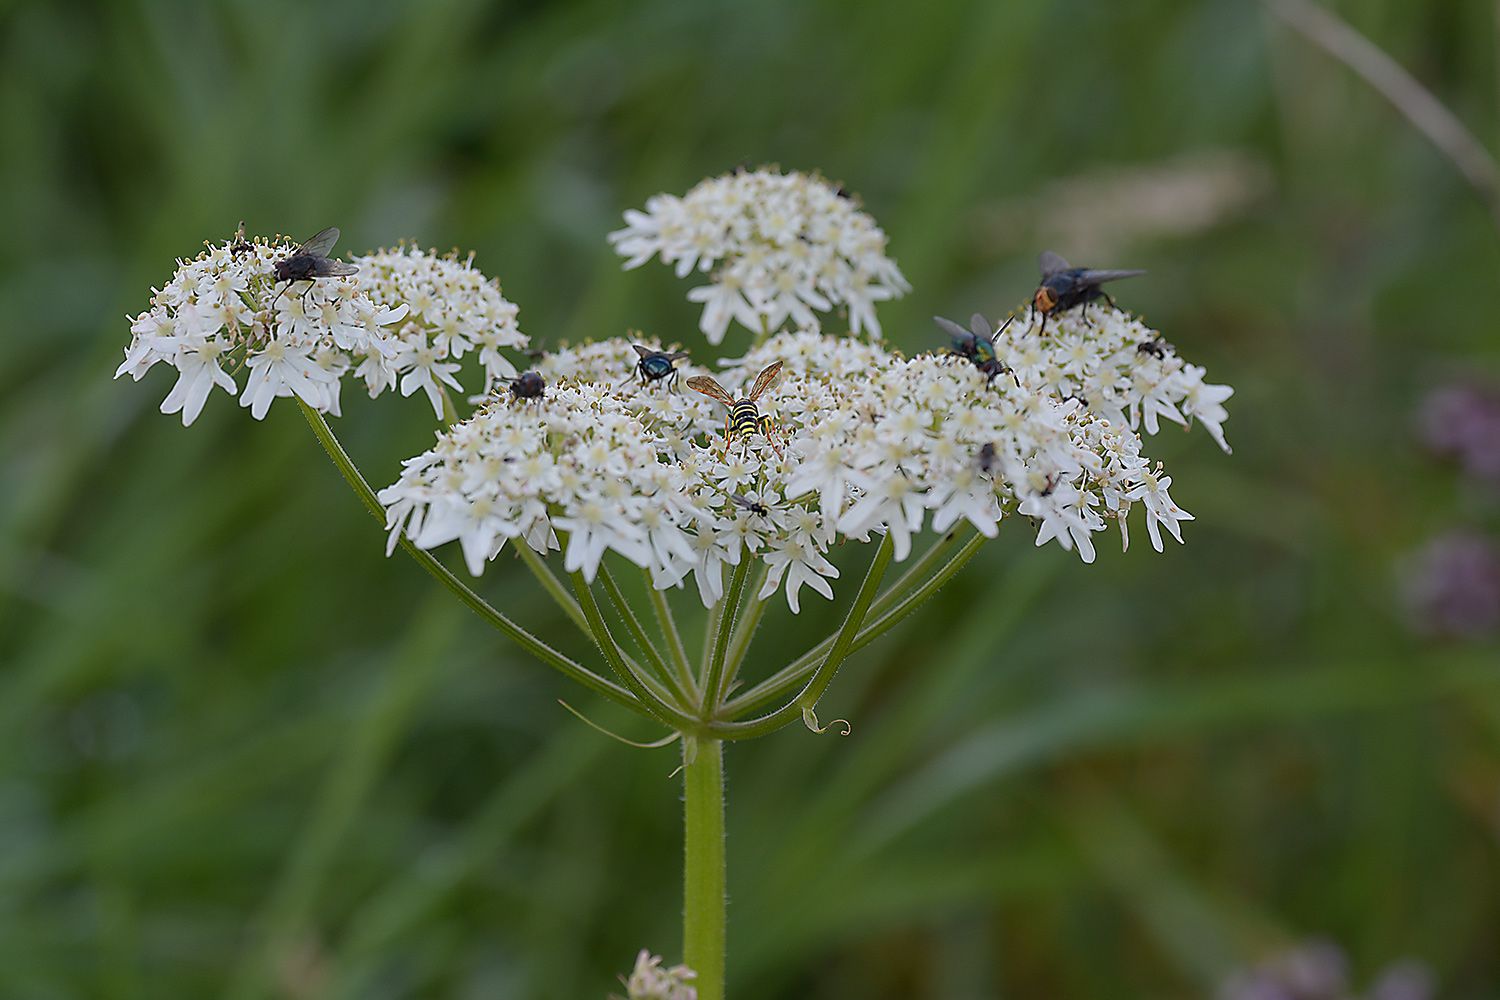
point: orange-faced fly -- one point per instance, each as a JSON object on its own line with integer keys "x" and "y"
{"x": 1064, "y": 287}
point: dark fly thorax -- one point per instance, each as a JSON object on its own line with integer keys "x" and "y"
{"x": 1061, "y": 292}
{"x": 656, "y": 367}
{"x": 976, "y": 349}
{"x": 528, "y": 385}
{"x": 310, "y": 261}
{"x": 297, "y": 267}
{"x": 1072, "y": 288}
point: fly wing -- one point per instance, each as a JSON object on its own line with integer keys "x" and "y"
{"x": 644, "y": 352}
{"x": 764, "y": 379}
{"x": 1051, "y": 264}
{"x": 709, "y": 387}
{"x": 981, "y": 327}
{"x": 1100, "y": 277}
{"x": 951, "y": 327}
{"x": 324, "y": 267}
{"x": 320, "y": 244}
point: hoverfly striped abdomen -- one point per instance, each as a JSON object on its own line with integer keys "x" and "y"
{"x": 744, "y": 417}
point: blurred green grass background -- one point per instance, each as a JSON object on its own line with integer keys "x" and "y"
{"x": 243, "y": 754}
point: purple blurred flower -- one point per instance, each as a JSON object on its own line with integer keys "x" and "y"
{"x": 1312, "y": 970}
{"x": 1406, "y": 980}
{"x": 1463, "y": 421}
{"x": 1316, "y": 969}
{"x": 1451, "y": 586}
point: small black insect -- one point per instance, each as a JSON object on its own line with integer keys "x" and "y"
{"x": 753, "y": 506}
{"x": 311, "y": 261}
{"x": 657, "y": 365}
{"x": 1157, "y": 348}
{"x": 986, "y": 458}
{"x": 977, "y": 343}
{"x": 528, "y": 385}
{"x": 1064, "y": 287}
{"x": 240, "y": 245}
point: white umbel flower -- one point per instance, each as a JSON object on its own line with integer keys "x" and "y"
{"x": 1120, "y": 368}
{"x": 452, "y": 309}
{"x": 404, "y": 318}
{"x": 778, "y": 246}
{"x": 865, "y": 442}
{"x": 649, "y": 981}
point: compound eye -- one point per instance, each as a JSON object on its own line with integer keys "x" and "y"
{"x": 1045, "y": 299}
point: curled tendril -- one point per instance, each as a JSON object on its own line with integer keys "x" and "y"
{"x": 810, "y": 719}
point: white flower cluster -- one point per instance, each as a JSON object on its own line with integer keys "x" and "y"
{"x": 649, "y": 981}
{"x": 225, "y": 308}
{"x": 784, "y": 245}
{"x": 866, "y": 442}
{"x": 1120, "y": 368}
{"x": 453, "y": 309}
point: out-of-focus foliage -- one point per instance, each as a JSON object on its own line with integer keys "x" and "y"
{"x": 243, "y": 754}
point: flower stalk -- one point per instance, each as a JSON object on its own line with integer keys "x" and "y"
{"x": 642, "y": 640}
{"x": 903, "y": 597}
{"x": 639, "y": 684}
{"x": 441, "y": 573}
{"x": 715, "y": 680}
{"x": 703, "y": 912}
{"x": 553, "y": 586}
{"x": 675, "y": 649}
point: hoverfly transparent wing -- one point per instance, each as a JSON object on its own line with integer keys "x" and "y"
{"x": 763, "y": 380}
{"x": 320, "y": 244}
{"x": 1051, "y": 264}
{"x": 952, "y": 328}
{"x": 709, "y": 387}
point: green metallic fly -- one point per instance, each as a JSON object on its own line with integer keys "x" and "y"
{"x": 657, "y": 366}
